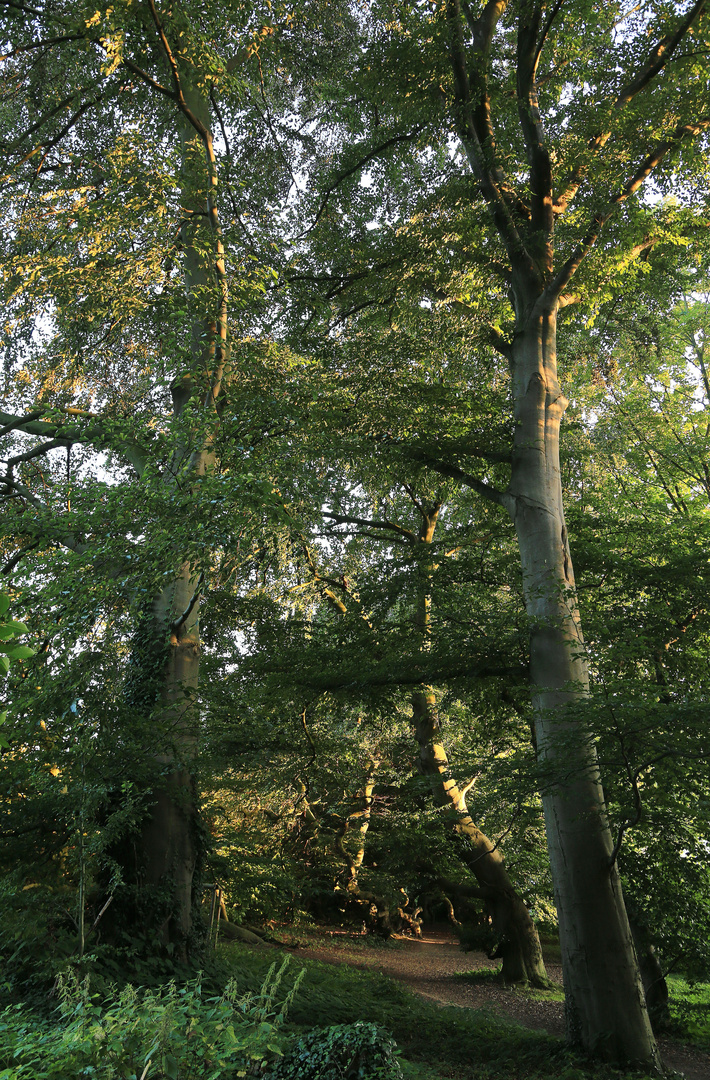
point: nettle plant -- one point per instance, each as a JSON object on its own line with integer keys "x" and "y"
{"x": 170, "y": 1032}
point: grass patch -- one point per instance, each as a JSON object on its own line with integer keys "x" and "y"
{"x": 551, "y": 952}
{"x": 437, "y": 1042}
{"x": 553, "y": 993}
{"x": 332, "y": 939}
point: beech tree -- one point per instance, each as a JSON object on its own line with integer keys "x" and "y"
{"x": 562, "y": 114}
{"x": 118, "y": 302}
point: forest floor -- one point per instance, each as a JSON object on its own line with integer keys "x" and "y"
{"x": 435, "y": 967}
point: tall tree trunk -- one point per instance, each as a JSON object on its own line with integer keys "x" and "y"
{"x": 520, "y": 943}
{"x": 606, "y": 1010}
{"x": 166, "y": 852}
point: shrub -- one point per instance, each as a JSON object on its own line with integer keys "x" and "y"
{"x": 357, "y": 1051}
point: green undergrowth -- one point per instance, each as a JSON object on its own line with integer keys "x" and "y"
{"x": 251, "y": 1007}
{"x": 167, "y": 1033}
{"x": 436, "y": 1042}
{"x": 690, "y": 1010}
{"x": 551, "y": 952}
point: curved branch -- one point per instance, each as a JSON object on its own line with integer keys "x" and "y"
{"x": 445, "y": 469}
{"x": 656, "y": 61}
{"x": 149, "y": 79}
{"x": 393, "y": 141}
{"x": 531, "y": 124}
{"x": 45, "y": 44}
{"x": 36, "y": 452}
{"x": 475, "y": 130}
{"x": 182, "y": 619}
{"x": 343, "y": 519}
{"x": 63, "y": 104}
{"x": 22, "y": 423}
{"x": 554, "y": 12}
{"x": 94, "y": 434}
{"x": 659, "y": 57}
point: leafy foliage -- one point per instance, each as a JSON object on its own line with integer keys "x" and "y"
{"x": 358, "y": 1051}
{"x": 690, "y": 1010}
{"x": 172, "y": 1032}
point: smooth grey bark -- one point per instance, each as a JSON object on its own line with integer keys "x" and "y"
{"x": 605, "y": 1005}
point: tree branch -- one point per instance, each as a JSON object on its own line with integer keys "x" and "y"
{"x": 328, "y": 593}
{"x": 36, "y": 452}
{"x": 479, "y": 486}
{"x": 15, "y": 423}
{"x": 13, "y": 562}
{"x": 342, "y": 519}
{"x": 651, "y": 162}
{"x": 93, "y": 435}
{"x": 475, "y": 129}
{"x": 654, "y": 64}
{"x": 370, "y": 156}
{"x": 554, "y": 12}
{"x": 407, "y": 676}
{"x": 149, "y": 79}
{"x": 499, "y": 343}
{"x": 577, "y": 175}
{"x": 178, "y": 96}
{"x": 43, "y": 44}
{"x": 175, "y": 626}
{"x": 63, "y": 104}
{"x": 531, "y": 124}
{"x": 29, "y": 10}
{"x": 11, "y": 485}
{"x": 659, "y": 57}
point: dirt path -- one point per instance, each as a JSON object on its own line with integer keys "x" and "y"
{"x": 432, "y": 964}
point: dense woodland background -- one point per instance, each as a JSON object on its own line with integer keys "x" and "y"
{"x": 295, "y": 301}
